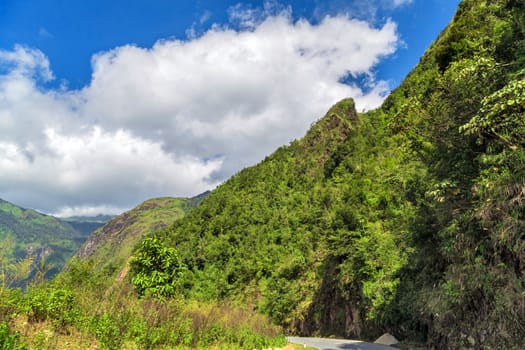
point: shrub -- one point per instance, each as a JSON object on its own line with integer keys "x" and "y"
{"x": 107, "y": 331}
{"x": 53, "y": 304}
{"x": 9, "y": 301}
{"x": 157, "y": 270}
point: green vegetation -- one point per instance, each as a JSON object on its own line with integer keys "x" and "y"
{"x": 92, "y": 304}
{"x": 110, "y": 247}
{"x": 45, "y": 241}
{"x": 306, "y": 236}
{"x": 464, "y": 285}
{"x": 9, "y": 340}
{"x": 407, "y": 219}
{"x": 72, "y": 312}
{"x": 158, "y": 270}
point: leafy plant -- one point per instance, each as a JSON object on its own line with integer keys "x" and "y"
{"x": 107, "y": 331}
{"x": 157, "y": 270}
{"x": 53, "y": 304}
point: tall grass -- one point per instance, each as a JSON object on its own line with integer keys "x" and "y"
{"x": 91, "y": 313}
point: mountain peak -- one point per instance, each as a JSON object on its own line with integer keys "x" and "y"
{"x": 328, "y": 133}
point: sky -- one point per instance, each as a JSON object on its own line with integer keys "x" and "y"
{"x": 104, "y": 104}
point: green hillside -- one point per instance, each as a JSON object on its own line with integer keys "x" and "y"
{"x": 315, "y": 235}
{"x": 25, "y": 233}
{"x": 91, "y": 303}
{"x": 408, "y": 218}
{"x": 110, "y": 246}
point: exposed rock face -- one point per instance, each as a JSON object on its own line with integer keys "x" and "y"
{"x": 112, "y": 231}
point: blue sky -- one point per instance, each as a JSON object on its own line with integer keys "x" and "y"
{"x": 104, "y": 104}
{"x": 69, "y": 32}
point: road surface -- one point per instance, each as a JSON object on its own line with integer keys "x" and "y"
{"x": 337, "y": 344}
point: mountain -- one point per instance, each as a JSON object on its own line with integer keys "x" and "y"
{"x": 25, "y": 233}
{"x": 99, "y": 219}
{"x": 409, "y": 218}
{"x": 110, "y": 246}
{"x": 281, "y": 233}
{"x": 87, "y": 224}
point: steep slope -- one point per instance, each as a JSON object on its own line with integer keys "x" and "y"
{"x": 310, "y": 235}
{"x": 26, "y": 233}
{"x": 409, "y": 218}
{"x": 110, "y": 247}
{"x": 462, "y": 110}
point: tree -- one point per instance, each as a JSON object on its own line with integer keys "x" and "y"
{"x": 157, "y": 270}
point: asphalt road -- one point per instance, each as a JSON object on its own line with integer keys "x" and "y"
{"x": 337, "y": 344}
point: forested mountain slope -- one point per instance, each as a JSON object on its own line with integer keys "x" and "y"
{"x": 462, "y": 110}
{"x": 408, "y": 218}
{"x": 314, "y": 235}
{"x": 45, "y": 241}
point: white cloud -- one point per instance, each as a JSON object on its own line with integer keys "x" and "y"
{"x": 66, "y": 212}
{"x": 246, "y": 16}
{"x": 402, "y": 2}
{"x": 105, "y": 169}
{"x": 177, "y": 118}
{"x": 43, "y": 33}
{"x": 372, "y": 11}
{"x": 23, "y": 61}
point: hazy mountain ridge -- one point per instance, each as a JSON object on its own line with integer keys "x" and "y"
{"x": 87, "y": 224}
{"x": 101, "y": 218}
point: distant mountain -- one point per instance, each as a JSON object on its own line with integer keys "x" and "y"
{"x": 100, "y": 219}
{"x": 27, "y": 233}
{"x": 87, "y": 224}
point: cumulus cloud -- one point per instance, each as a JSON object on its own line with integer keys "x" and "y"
{"x": 216, "y": 94}
{"x": 107, "y": 169}
{"x": 25, "y": 62}
{"x": 182, "y": 116}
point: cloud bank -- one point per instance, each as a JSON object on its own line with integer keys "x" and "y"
{"x": 180, "y": 117}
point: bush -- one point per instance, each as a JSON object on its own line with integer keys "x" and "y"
{"x": 9, "y": 301}
{"x": 107, "y": 331}
{"x": 157, "y": 270}
{"x": 53, "y": 304}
